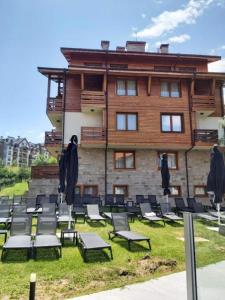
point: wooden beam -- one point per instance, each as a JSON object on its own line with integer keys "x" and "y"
{"x": 149, "y": 85}
{"x": 49, "y": 87}
{"x": 82, "y": 81}
{"x": 213, "y": 87}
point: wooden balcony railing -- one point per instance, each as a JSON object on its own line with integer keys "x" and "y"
{"x": 92, "y": 134}
{"x": 93, "y": 98}
{"x": 206, "y": 135}
{"x": 54, "y": 104}
{"x": 203, "y": 102}
{"x": 53, "y": 137}
{"x": 45, "y": 172}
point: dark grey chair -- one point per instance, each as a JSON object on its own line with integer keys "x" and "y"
{"x": 168, "y": 214}
{"x": 54, "y": 198}
{"x": 121, "y": 229}
{"x": 191, "y": 202}
{"x": 180, "y": 205}
{"x": 93, "y": 213}
{"x": 49, "y": 209}
{"x": 148, "y": 214}
{"x": 120, "y": 201}
{"x": 109, "y": 201}
{"x": 64, "y": 214}
{"x": 31, "y": 205}
{"x": 46, "y": 235}
{"x": 140, "y": 199}
{"x": 20, "y": 235}
{"x": 92, "y": 242}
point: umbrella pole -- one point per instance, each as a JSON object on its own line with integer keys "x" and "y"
{"x": 218, "y": 212}
{"x": 70, "y": 216}
{"x": 61, "y": 197}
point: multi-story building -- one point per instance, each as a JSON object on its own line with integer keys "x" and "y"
{"x": 18, "y": 151}
{"x": 128, "y": 106}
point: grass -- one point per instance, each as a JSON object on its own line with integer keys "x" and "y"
{"x": 16, "y": 190}
{"x": 70, "y": 276}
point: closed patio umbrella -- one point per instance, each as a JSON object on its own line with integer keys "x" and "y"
{"x": 165, "y": 176}
{"x": 68, "y": 172}
{"x": 216, "y": 177}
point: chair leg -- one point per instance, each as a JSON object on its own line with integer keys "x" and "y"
{"x": 149, "y": 244}
{"x": 129, "y": 244}
{"x": 111, "y": 252}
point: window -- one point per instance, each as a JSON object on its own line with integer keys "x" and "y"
{"x": 78, "y": 190}
{"x": 124, "y": 160}
{"x": 200, "y": 191}
{"x": 126, "y": 87}
{"x": 119, "y": 66}
{"x": 126, "y": 121}
{"x": 120, "y": 190}
{"x": 172, "y": 123}
{"x": 90, "y": 190}
{"x": 172, "y": 159}
{"x": 175, "y": 191}
{"x": 186, "y": 69}
{"x": 170, "y": 89}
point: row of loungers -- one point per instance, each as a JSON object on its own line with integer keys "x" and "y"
{"x": 45, "y": 237}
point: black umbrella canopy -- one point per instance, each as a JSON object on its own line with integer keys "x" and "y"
{"x": 71, "y": 169}
{"x": 216, "y": 177}
{"x": 165, "y": 174}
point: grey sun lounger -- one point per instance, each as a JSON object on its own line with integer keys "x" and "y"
{"x": 108, "y": 215}
{"x": 5, "y": 214}
{"x": 46, "y": 235}
{"x": 64, "y": 214}
{"x": 168, "y": 214}
{"x": 215, "y": 214}
{"x": 148, "y": 214}
{"x": 121, "y": 229}
{"x": 93, "y": 213}
{"x": 20, "y": 235}
{"x": 199, "y": 210}
{"x": 90, "y": 242}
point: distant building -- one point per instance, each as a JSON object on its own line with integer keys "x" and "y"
{"x": 19, "y": 151}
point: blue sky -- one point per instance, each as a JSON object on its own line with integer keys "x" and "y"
{"x": 33, "y": 31}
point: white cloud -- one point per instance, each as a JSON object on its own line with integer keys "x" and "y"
{"x": 179, "y": 39}
{"x": 134, "y": 28}
{"x": 217, "y": 66}
{"x": 158, "y": 1}
{"x": 169, "y": 20}
{"x": 216, "y": 50}
{"x": 143, "y": 15}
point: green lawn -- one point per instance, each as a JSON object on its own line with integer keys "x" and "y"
{"x": 15, "y": 190}
{"x": 70, "y": 276}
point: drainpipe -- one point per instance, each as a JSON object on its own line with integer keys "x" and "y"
{"x": 192, "y": 140}
{"x": 106, "y": 124}
{"x": 64, "y": 107}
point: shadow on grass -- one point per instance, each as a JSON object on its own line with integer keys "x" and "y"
{"x": 174, "y": 224}
{"x": 12, "y": 256}
{"x": 96, "y": 224}
{"x": 159, "y": 224}
{"x": 93, "y": 256}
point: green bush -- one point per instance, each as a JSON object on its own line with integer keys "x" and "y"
{"x": 42, "y": 160}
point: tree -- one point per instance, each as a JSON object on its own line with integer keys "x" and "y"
{"x": 24, "y": 174}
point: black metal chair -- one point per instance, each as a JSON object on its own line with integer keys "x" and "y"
{"x": 5, "y": 214}
{"x": 191, "y": 202}
{"x": 180, "y": 205}
{"x": 109, "y": 201}
{"x": 154, "y": 203}
{"x": 120, "y": 202}
{"x": 140, "y": 199}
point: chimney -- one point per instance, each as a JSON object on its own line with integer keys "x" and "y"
{"x": 105, "y": 45}
{"x": 120, "y": 48}
{"x": 135, "y": 46}
{"x": 164, "y": 48}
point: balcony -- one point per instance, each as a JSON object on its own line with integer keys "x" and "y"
{"x": 92, "y": 101}
{"x": 205, "y": 137}
{"x": 203, "y": 103}
{"x": 45, "y": 172}
{"x": 54, "y": 110}
{"x": 53, "y": 142}
{"x": 93, "y": 137}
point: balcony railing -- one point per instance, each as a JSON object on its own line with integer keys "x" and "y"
{"x": 93, "y": 98}
{"x": 53, "y": 137}
{"x": 54, "y": 104}
{"x": 45, "y": 172}
{"x": 92, "y": 134}
{"x": 206, "y": 135}
{"x": 203, "y": 102}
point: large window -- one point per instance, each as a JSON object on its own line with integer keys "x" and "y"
{"x": 126, "y": 121}
{"x": 172, "y": 123}
{"x": 200, "y": 191}
{"x": 126, "y": 87}
{"x": 172, "y": 159}
{"x": 170, "y": 89}
{"x": 124, "y": 160}
{"x": 120, "y": 190}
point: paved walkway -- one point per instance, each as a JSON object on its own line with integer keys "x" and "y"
{"x": 211, "y": 282}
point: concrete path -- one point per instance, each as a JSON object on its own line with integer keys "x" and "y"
{"x": 211, "y": 286}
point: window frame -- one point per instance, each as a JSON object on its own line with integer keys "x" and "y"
{"x": 198, "y": 195}
{"x": 95, "y": 186}
{"x": 171, "y": 127}
{"x": 169, "y": 152}
{"x": 124, "y": 155}
{"x": 169, "y": 82}
{"x": 123, "y": 186}
{"x": 126, "y": 120}
{"x": 179, "y": 191}
{"x": 126, "y": 80}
